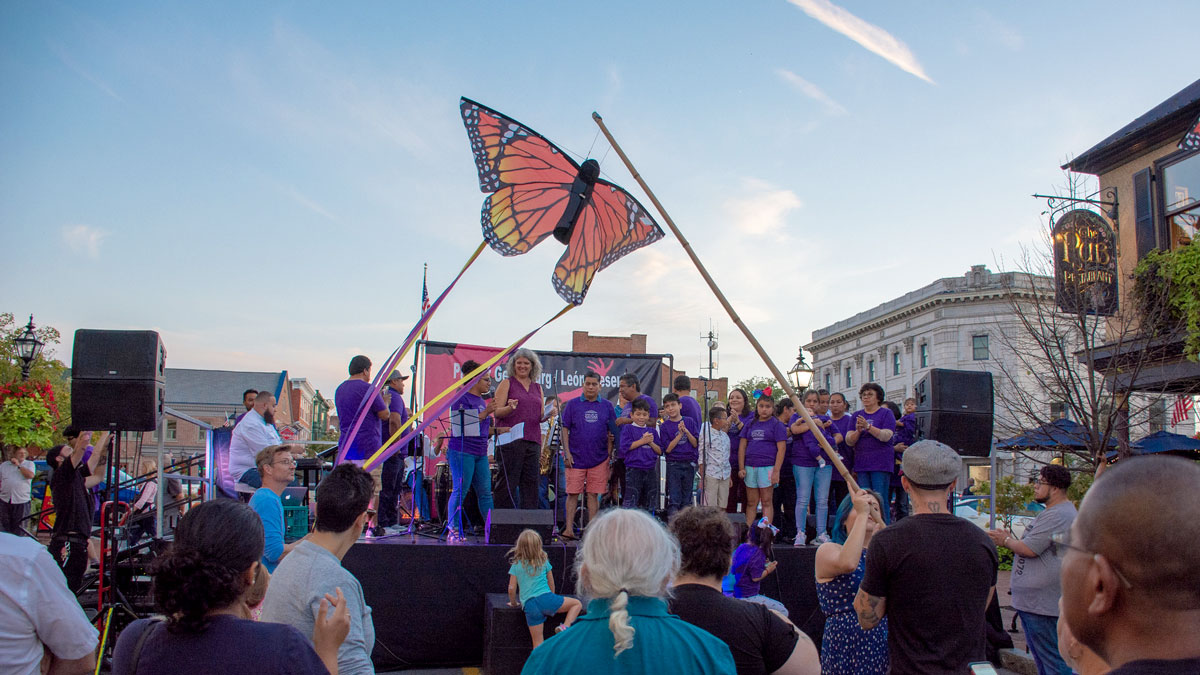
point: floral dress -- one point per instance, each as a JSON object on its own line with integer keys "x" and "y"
{"x": 847, "y": 649}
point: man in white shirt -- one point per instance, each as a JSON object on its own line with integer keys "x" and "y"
{"x": 16, "y": 475}
{"x": 38, "y": 615}
{"x": 255, "y": 432}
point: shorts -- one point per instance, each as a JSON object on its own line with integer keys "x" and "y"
{"x": 541, "y": 606}
{"x": 758, "y": 476}
{"x": 595, "y": 479}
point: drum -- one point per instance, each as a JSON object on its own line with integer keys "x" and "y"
{"x": 442, "y": 485}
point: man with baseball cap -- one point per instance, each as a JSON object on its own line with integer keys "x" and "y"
{"x": 932, "y": 574}
{"x": 392, "y": 474}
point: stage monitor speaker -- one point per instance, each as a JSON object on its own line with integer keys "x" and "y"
{"x": 118, "y": 355}
{"x": 955, "y": 407}
{"x": 505, "y": 524}
{"x": 125, "y": 405}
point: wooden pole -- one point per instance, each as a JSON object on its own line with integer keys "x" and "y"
{"x": 833, "y": 456}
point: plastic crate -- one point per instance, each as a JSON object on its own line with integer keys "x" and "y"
{"x": 295, "y": 522}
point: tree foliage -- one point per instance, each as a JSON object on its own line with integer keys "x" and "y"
{"x": 1172, "y": 277}
{"x": 25, "y": 421}
{"x": 749, "y": 384}
{"x": 46, "y": 368}
{"x": 1011, "y": 498}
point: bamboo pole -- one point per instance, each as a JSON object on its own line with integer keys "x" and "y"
{"x": 733, "y": 315}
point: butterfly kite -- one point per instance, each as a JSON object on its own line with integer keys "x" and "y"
{"x": 1191, "y": 140}
{"x": 535, "y": 190}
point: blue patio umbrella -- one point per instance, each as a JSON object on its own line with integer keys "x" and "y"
{"x": 1061, "y": 433}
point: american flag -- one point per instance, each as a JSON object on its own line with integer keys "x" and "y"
{"x": 425, "y": 300}
{"x": 1182, "y": 411}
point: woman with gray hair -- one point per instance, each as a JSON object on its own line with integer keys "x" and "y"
{"x": 624, "y": 565}
{"x": 521, "y": 396}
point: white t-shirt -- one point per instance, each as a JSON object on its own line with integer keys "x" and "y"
{"x": 36, "y": 608}
{"x": 249, "y": 436}
{"x": 14, "y": 486}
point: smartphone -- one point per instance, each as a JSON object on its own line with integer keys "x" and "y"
{"x": 982, "y": 668}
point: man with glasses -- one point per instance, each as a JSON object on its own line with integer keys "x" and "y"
{"x": 1131, "y": 567}
{"x": 1036, "y": 568}
{"x": 277, "y": 468}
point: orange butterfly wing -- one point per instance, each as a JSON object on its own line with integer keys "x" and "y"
{"x": 611, "y": 225}
{"x": 528, "y": 176}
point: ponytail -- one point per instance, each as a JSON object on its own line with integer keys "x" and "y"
{"x": 618, "y": 623}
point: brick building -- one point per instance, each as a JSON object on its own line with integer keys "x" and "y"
{"x": 581, "y": 341}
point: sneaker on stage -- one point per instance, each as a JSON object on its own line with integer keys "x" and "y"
{"x": 820, "y": 539}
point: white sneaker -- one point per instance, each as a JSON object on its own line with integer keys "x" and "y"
{"x": 821, "y": 539}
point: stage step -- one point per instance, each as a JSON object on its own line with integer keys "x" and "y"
{"x": 506, "y": 641}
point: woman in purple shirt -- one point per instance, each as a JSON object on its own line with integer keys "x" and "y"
{"x": 870, "y": 437}
{"x": 519, "y": 461}
{"x": 739, "y": 415}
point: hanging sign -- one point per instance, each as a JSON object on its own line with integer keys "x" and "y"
{"x": 1085, "y": 264}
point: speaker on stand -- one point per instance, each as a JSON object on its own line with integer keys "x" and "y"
{"x": 956, "y": 407}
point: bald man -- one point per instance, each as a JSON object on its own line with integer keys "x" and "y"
{"x": 1131, "y": 571}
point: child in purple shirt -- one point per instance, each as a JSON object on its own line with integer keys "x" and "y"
{"x": 761, "y": 446}
{"x": 679, "y": 434}
{"x": 752, "y": 563}
{"x": 640, "y": 447}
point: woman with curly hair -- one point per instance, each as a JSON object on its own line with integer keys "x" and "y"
{"x": 201, "y": 586}
{"x": 519, "y": 400}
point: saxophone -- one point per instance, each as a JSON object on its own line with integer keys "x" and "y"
{"x": 549, "y": 444}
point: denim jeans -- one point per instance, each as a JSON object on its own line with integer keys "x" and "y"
{"x": 1041, "y": 634}
{"x": 639, "y": 484}
{"x": 468, "y": 472}
{"x": 881, "y": 482}
{"x": 808, "y": 479}
{"x": 680, "y": 483}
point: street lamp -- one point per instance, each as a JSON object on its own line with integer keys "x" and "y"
{"x": 29, "y": 347}
{"x": 801, "y": 374}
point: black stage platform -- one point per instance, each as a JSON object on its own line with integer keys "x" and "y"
{"x": 427, "y": 597}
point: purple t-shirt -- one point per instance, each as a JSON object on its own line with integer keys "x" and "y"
{"x": 529, "y": 409}
{"x": 396, "y": 405}
{"x": 347, "y": 398}
{"x": 627, "y": 408}
{"x": 843, "y": 426}
{"x": 906, "y": 429}
{"x": 748, "y": 562}
{"x": 871, "y": 454}
{"x": 588, "y": 424}
{"x": 470, "y": 445}
{"x": 642, "y": 457}
{"x": 761, "y": 441}
{"x": 734, "y": 435}
{"x": 810, "y": 452}
{"x": 684, "y": 450}
{"x": 688, "y": 407}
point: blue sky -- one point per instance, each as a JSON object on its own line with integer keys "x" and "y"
{"x": 262, "y": 182}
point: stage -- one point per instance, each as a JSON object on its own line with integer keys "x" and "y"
{"x": 427, "y": 596}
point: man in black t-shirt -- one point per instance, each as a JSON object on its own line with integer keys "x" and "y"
{"x": 933, "y": 574}
{"x": 761, "y": 640}
{"x": 73, "y": 504}
{"x": 1131, "y": 567}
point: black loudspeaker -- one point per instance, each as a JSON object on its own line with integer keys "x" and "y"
{"x": 117, "y": 380}
{"x": 506, "y": 641}
{"x": 955, "y": 407}
{"x": 505, "y": 524}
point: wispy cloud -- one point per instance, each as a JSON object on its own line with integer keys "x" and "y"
{"x": 79, "y": 70}
{"x": 762, "y": 208}
{"x": 303, "y": 200}
{"x": 84, "y": 239}
{"x": 812, "y": 91}
{"x": 870, "y": 36}
{"x": 1000, "y": 31}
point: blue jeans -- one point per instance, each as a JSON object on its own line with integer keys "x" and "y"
{"x": 809, "y": 478}
{"x": 468, "y": 472}
{"x": 639, "y": 484}
{"x": 1041, "y": 634}
{"x": 881, "y": 482}
{"x": 680, "y": 482}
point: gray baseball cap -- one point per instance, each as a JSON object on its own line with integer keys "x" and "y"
{"x": 930, "y": 464}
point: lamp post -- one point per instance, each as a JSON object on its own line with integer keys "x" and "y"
{"x": 801, "y": 374}
{"x": 29, "y": 347}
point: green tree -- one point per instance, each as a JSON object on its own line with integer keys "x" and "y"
{"x": 1011, "y": 498}
{"x": 749, "y": 384}
{"x": 46, "y": 368}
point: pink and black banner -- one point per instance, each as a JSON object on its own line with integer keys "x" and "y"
{"x": 562, "y": 372}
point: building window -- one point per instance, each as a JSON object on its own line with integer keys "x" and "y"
{"x": 1158, "y": 416}
{"x": 871, "y": 370}
{"x": 895, "y": 363}
{"x": 979, "y": 348}
{"x": 925, "y": 356}
{"x": 849, "y": 379}
{"x": 171, "y": 424}
{"x": 1058, "y": 410}
{"x": 200, "y": 434}
{"x": 1181, "y": 200}
{"x": 828, "y": 382}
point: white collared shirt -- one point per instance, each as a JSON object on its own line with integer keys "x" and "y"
{"x": 714, "y": 451}
{"x": 250, "y": 436}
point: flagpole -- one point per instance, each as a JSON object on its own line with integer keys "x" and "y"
{"x": 737, "y": 321}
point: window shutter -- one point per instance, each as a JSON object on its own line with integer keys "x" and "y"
{"x": 1143, "y": 210}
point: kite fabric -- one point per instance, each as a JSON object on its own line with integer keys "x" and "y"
{"x": 535, "y": 190}
{"x": 1191, "y": 140}
{"x": 381, "y": 376}
{"x": 451, "y": 394}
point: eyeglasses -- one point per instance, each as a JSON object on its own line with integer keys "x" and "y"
{"x": 285, "y": 462}
{"x": 1062, "y": 540}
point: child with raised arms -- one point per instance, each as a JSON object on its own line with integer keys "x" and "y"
{"x": 640, "y": 448}
{"x": 680, "y": 435}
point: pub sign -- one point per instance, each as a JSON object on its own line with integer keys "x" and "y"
{"x": 1085, "y": 264}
